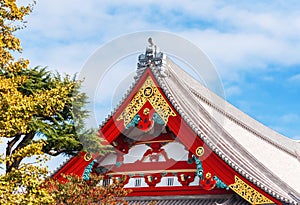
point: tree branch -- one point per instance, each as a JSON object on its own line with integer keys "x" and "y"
{"x": 24, "y": 142}
{"x": 11, "y": 143}
{"x": 54, "y": 153}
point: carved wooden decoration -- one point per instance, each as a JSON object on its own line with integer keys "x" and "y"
{"x": 248, "y": 193}
{"x": 148, "y": 92}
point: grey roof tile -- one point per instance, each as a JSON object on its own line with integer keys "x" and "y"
{"x": 187, "y": 200}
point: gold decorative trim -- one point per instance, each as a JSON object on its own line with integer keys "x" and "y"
{"x": 148, "y": 92}
{"x": 208, "y": 175}
{"x": 146, "y": 111}
{"x": 248, "y": 193}
{"x": 152, "y": 171}
{"x": 200, "y": 151}
{"x": 153, "y": 141}
{"x": 87, "y": 157}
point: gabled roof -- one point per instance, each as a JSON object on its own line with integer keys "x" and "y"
{"x": 261, "y": 155}
{"x": 264, "y": 157}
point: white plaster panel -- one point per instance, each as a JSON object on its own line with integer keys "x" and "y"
{"x": 135, "y": 153}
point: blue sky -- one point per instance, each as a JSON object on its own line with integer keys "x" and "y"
{"x": 254, "y": 45}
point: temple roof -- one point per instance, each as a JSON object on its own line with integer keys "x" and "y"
{"x": 266, "y": 158}
{"x": 263, "y": 156}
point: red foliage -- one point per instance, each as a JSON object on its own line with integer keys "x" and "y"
{"x": 76, "y": 190}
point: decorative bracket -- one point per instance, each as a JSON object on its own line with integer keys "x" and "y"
{"x": 153, "y": 179}
{"x": 185, "y": 178}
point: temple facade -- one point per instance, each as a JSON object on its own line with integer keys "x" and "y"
{"x": 177, "y": 142}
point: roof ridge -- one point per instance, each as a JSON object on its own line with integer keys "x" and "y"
{"x": 281, "y": 195}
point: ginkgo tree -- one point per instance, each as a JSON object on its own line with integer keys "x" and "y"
{"x": 24, "y": 185}
{"x": 34, "y": 101}
{"x": 40, "y": 113}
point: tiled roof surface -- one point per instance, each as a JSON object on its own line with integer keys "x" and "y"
{"x": 188, "y": 201}
{"x": 258, "y": 153}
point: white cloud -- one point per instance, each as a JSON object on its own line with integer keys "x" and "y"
{"x": 289, "y": 118}
{"x": 236, "y": 36}
{"x": 63, "y": 58}
{"x": 233, "y": 52}
{"x": 294, "y": 78}
{"x": 232, "y": 90}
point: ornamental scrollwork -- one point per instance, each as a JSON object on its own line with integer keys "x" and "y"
{"x": 219, "y": 183}
{"x": 88, "y": 170}
{"x": 207, "y": 180}
{"x": 248, "y": 193}
{"x": 148, "y": 92}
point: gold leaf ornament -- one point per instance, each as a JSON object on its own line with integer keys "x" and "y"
{"x": 148, "y": 92}
{"x": 248, "y": 193}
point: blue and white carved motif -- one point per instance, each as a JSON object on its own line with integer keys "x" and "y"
{"x": 88, "y": 170}
{"x": 199, "y": 167}
{"x": 155, "y": 117}
{"x": 200, "y": 173}
{"x": 219, "y": 183}
{"x": 134, "y": 121}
